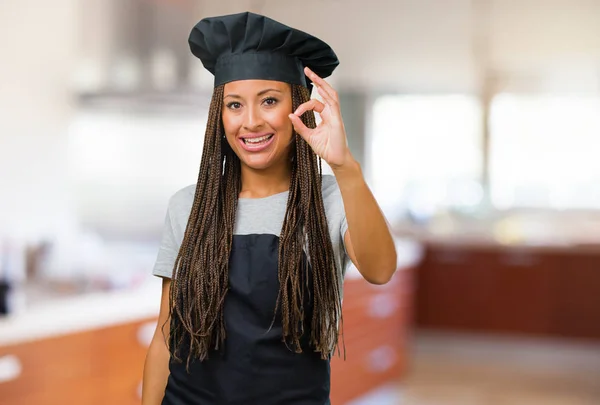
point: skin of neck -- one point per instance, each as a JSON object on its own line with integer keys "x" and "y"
{"x": 266, "y": 182}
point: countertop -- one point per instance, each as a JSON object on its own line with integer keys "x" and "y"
{"x": 60, "y": 316}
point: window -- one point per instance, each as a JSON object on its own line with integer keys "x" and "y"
{"x": 126, "y": 166}
{"x": 544, "y": 151}
{"x": 426, "y": 153}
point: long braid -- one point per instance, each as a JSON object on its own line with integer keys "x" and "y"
{"x": 201, "y": 278}
{"x": 305, "y": 226}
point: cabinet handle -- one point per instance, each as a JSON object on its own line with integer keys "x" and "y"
{"x": 383, "y": 306}
{"x": 520, "y": 259}
{"x": 381, "y": 359}
{"x": 10, "y": 368}
{"x": 450, "y": 256}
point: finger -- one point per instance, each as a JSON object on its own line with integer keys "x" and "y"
{"x": 333, "y": 104}
{"x": 312, "y": 104}
{"x": 321, "y": 83}
{"x": 299, "y": 127}
{"x": 331, "y": 101}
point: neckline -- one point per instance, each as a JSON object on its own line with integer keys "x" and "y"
{"x": 248, "y": 199}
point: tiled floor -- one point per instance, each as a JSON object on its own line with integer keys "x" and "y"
{"x": 448, "y": 369}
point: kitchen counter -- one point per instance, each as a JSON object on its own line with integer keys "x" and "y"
{"x": 61, "y": 316}
{"x": 96, "y": 343}
{"x": 494, "y": 288}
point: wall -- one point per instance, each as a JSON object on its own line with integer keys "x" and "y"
{"x": 37, "y": 44}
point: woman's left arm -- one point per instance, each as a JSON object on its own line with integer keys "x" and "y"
{"x": 368, "y": 241}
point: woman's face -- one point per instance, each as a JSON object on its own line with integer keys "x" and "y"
{"x": 256, "y": 122}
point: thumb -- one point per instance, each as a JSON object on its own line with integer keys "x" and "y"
{"x": 299, "y": 126}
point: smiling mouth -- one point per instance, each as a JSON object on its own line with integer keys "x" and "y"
{"x": 258, "y": 141}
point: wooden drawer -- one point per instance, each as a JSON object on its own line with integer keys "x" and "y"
{"x": 576, "y": 303}
{"x": 76, "y": 391}
{"x": 370, "y": 362}
{"x": 92, "y": 368}
{"x": 371, "y": 309}
{"x": 375, "y": 321}
{"x": 48, "y": 367}
{"x": 119, "y": 361}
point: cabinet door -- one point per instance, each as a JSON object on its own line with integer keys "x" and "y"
{"x": 50, "y": 371}
{"x": 100, "y": 367}
{"x": 523, "y": 291}
{"x": 453, "y": 289}
{"x": 374, "y": 326}
{"x": 119, "y": 356}
{"x": 577, "y": 307}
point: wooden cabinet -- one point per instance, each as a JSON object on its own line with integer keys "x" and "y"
{"x": 576, "y": 312}
{"x": 453, "y": 289}
{"x": 51, "y": 370}
{"x": 510, "y": 290}
{"x": 376, "y": 319}
{"x": 93, "y": 368}
{"x": 105, "y": 366}
{"x": 522, "y": 290}
{"x": 119, "y": 354}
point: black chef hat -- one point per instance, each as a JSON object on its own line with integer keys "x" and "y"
{"x": 250, "y": 46}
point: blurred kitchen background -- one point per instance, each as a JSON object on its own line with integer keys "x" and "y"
{"x": 477, "y": 124}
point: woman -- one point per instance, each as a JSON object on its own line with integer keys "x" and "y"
{"x": 253, "y": 255}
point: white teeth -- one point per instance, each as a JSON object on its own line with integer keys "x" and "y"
{"x": 257, "y": 140}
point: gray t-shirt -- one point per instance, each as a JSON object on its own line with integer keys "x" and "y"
{"x": 254, "y": 216}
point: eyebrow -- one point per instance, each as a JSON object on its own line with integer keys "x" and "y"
{"x": 260, "y": 93}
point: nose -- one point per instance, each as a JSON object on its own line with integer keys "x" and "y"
{"x": 253, "y": 119}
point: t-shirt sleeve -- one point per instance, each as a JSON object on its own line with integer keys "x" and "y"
{"x": 168, "y": 249}
{"x": 338, "y": 212}
{"x": 343, "y": 227}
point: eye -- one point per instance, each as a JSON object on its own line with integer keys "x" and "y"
{"x": 234, "y": 105}
{"x": 270, "y": 101}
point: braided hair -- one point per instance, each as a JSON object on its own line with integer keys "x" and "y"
{"x": 200, "y": 275}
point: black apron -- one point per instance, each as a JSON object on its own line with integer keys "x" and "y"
{"x": 255, "y": 367}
